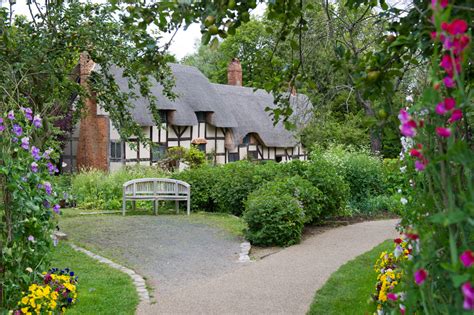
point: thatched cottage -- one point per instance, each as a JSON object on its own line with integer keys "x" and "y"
{"x": 228, "y": 122}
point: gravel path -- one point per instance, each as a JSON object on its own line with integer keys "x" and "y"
{"x": 282, "y": 283}
{"x": 169, "y": 251}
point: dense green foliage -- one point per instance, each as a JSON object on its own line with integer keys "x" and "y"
{"x": 202, "y": 181}
{"x": 349, "y": 288}
{"x": 273, "y": 217}
{"x": 98, "y": 190}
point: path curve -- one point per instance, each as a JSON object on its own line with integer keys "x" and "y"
{"x": 283, "y": 283}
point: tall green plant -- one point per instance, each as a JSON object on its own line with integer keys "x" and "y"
{"x": 440, "y": 277}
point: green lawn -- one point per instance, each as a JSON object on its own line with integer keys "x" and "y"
{"x": 348, "y": 290}
{"x": 101, "y": 289}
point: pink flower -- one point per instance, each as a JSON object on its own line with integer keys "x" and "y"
{"x": 420, "y": 276}
{"x": 402, "y": 309}
{"x": 408, "y": 130}
{"x": 420, "y": 165}
{"x": 447, "y": 64}
{"x": 449, "y": 103}
{"x": 449, "y": 82}
{"x": 455, "y": 116}
{"x": 456, "y": 27}
{"x": 31, "y": 238}
{"x": 392, "y": 296}
{"x": 460, "y": 44}
{"x": 403, "y": 116}
{"x": 442, "y": 3}
{"x": 440, "y": 109}
{"x": 467, "y": 258}
{"x": 443, "y": 132}
{"x": 468, "y": 292}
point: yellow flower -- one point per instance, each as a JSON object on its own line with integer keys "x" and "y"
{"x": 24, "y": 300}
{"x": 24, "y": 310}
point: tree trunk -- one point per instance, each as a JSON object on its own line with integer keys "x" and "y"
{"x": 375, "y": 136}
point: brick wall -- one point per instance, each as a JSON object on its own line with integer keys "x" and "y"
{"x": 92, "y": 150}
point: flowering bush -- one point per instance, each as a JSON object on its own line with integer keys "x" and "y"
{"x": 53, "y": 296}
{"x": 439, "y": 279}
{"x": 28, "y": 202}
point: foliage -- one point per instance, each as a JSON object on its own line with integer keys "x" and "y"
{"x": 192, "y": 156}
{"x": 94, "y": 189}
{"x": 380, "y": 203}
{"x": 103, "y": 290}
{"x": 438, "y": 156}
{"x": 55, "y": 294}
{"x": 273, "y": 218}
{"x": 232, "y": 186}
{"x": 346, "y": 291}
{"x": 28, "y": 202}
{"x": 324, "y": 176}
{"x": 202, "y": 181}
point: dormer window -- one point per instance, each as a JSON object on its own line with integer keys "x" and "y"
{"x": 201, "y": 117}
{"x": 163, "y": 117}
{"x": 246, "y": 139}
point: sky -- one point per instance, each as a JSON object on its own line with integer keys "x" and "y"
{"x": 184, "y": 43}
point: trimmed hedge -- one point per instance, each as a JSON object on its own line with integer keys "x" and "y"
{"x": 273, "y": 218}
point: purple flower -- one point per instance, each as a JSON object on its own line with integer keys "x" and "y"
{"x": 48, "y": 188}
{"x": 46, "y": 204}
{"x": 35, "y": 152}
{"x": 34, "y": 167}
{"x": 17, "y": 130}
{"x": 37, "y": 121}
{"x": 15, "y": 139}
{"x": 467, "y": 258}
{"x": 2, "y": 127}
{"x": 31, "y": 238}
{"x": 51, "y": 168}
{"x": 47, "y": 153}
{"x": 25, "y": 143}
{"x": 420, "y": 276}
{"x": 420, "y": 166}
{"x": 11, "y": 115}
{"x": 468, "y": 292}
{"x": 449, "y": 82}
{"x": 24, "y": 179}
{"x": 56, "y": 208}
{"x": 28, "y": 113}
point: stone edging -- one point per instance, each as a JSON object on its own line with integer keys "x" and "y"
{"x": 138, "y": 281}
{"x": 244, "y": 252}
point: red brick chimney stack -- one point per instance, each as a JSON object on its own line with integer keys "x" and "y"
{"x": 234, "y": 72}
{"x": 92, "y": 149}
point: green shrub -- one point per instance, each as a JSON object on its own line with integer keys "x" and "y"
{"x": 394, "y": 179}
{"x": 273, "y": 218}
{"x": 202, "y": 181}
{"x": 364, "y": 174}
{"x": 232, "y": 186}
{"x": 376, "y": 204}
{"x": 194, "y": 157}
{"x": 324, "y": 176}
{"x": 96, "y": 189}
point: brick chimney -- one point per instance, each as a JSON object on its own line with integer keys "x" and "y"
{"x": 93, "y": 146}
{"x": 234, "y": 72}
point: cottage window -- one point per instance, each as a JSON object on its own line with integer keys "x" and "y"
{"x": 253, "y": 155}
{"x": 246, "y": 139}
{"x": 278, "y": 159}
{"x": 233, "y": 157}
{"x": 202, "y": 147}
{"x": 158, "y": 152}
{"x": 115, "y": 150}
{"x": 201, "y": 117}
{"x": 163, "y": 117}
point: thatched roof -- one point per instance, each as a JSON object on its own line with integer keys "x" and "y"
{"x": 240, "y": 108}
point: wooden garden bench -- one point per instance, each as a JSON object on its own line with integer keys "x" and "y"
{"x": 156, "y": 189}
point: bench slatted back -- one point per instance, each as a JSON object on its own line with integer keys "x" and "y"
{"x": 155, "y": 186}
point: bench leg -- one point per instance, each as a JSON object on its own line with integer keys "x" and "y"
{"x": 134, "y": 205}
{"x": 176, "y": 202}
{"x": 189, "y": 206}
{"x": 124, "y": 205}
{"x": 155, "y": 207}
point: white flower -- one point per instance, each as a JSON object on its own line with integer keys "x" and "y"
{"x": 403, "y": 169}
{"x": 409, "y": 98}
{"x": 29, "y": 269}
{"x": 404, "y": 201}
{"x": 399, "y": 190}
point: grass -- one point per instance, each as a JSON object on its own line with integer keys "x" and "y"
{"x": 101, "y": 289}
{"x": 348, "y": 290}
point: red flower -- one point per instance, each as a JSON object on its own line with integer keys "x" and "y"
{"x": 398, "y": 240}
{"x": 443, "y": 132}
{"x": 456, "y": 27}
{"x": 467, "y": 258}
{"x": 412, "y": 236}
{"x": 449, "y": 103}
